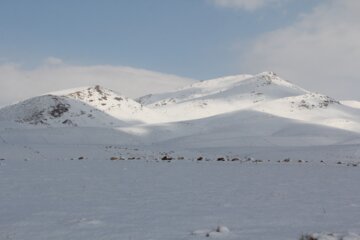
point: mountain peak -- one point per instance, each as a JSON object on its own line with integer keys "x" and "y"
{"x": 268, "y": 73}
{"x": 271, "y": 76}
{"x": 95, "y": 88}
{"x": 91, "y": 94}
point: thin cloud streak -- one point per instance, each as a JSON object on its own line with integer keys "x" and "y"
{"x": 249, "y": 5}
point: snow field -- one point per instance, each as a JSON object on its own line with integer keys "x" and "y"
{"x": 92, "y": 199}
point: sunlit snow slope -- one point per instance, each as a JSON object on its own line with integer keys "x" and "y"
{"x": 265, "y": 92}
{"x": 83, "y": 107}
{"x": 229, "y": 114}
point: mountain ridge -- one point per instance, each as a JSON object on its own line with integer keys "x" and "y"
{"x": 264, "y": 92}
{"x": 243, "y": 115}
{"x": 96, "y": 106}
{"x": 87, "y": 106}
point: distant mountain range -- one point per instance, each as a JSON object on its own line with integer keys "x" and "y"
{"x": 229, "y": 114}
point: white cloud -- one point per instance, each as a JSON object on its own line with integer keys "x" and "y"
{"x": 249, "y": 5}
{"x": 53, "y": 61}
{"x": 17, "y": 83}
{"x": 321, "y": 51}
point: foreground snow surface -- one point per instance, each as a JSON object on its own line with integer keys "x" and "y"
{"x": 102, "y": 199}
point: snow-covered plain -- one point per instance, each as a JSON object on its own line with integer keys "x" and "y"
{"x": 97, "y": 199}
{"x": 239, "y": 157}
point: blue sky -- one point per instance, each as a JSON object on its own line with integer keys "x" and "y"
{"x": 192, "y": 38}
{"x": 313, "y": 43}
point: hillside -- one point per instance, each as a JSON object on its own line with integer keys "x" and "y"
{"x": 353, "y": 104}
{"x": 265, "y": 92}
{"x": 261, "y": 115}
{"x": 83, "y": 107}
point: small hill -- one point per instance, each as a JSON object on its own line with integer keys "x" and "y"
{"x": 89, "y": 106}
{"x": 265, "y": 92}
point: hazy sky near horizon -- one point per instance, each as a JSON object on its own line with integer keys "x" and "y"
{"x": 314, "y": 43}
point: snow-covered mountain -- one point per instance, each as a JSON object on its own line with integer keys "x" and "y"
{"x": 265, "y": 92}
{"x": 249, "y": 144}
{"x": 83, "y": 107}
{"x": 263, "y": 86}
{"x": 243, "y": 113}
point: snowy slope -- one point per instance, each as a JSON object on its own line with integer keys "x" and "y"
{"x": 222, "y": 95}
{"x": 265, "y": 92}
{"x": 316, "y": 109}
{"x": 353, "y": 104}
{"x": 89, "y": 106}
{"x": 227, "y": 88}
{"x": 259, "y": 115}
{"x": 113, "y": 104}
{"x": 247, "y": 128}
